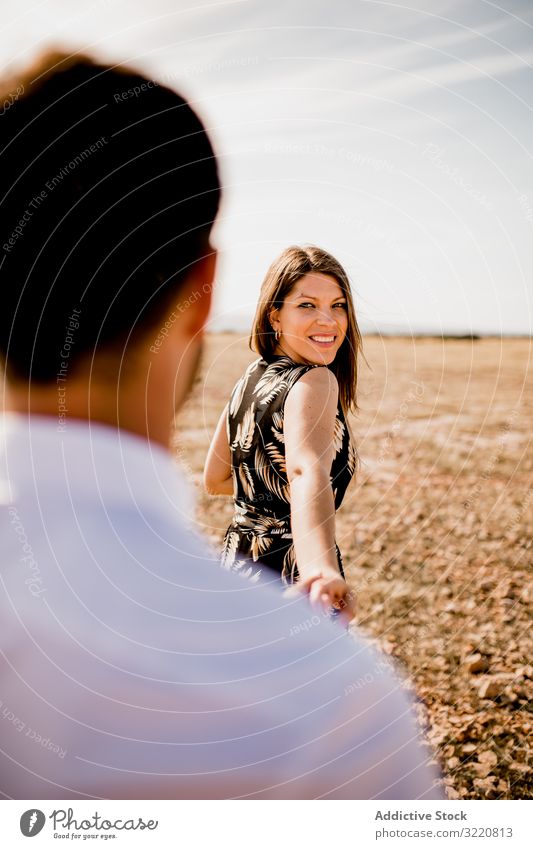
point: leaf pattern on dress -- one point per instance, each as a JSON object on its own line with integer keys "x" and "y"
{"x": 267, "y": 524}
{"x": 267, "y": 399}
{"x": 272, "y": 381}
{"x": 245, "y": 430}
{"x": 245, "y": 568}
{"x": 269, "y": 476}
{"x": 237, "y": 396}
{"x": 247, "y": 481}
{"x": 276, "y": 456}
{"x": 261, "y": 521}
{"x": 240, "y": 510}
{"x": 338, "y": 435}
{"x": 259, "y": 545}
{"x": 239, "y": 389}
{"x": 277, "y": 427}
{"x": 289, "y": 570}
{"x": 229, "y": 549}
{"x": 351, "y": 460}
{"x": 278, "y": 377}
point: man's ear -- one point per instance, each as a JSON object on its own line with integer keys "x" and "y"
{"x": 201, "y": 287}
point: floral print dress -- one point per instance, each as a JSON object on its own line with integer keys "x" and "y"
{"x": 260, "y": 531}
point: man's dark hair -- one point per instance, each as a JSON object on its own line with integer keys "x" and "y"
{"x": 108, "y": 192}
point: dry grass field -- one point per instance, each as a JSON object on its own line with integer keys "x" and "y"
{"x": 436, "y": 534}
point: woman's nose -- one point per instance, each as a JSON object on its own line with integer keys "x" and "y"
{"x": 325, "y": 319}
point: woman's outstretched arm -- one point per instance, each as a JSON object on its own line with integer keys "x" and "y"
{"x": 310, "y": 412}
{"x": 217, "y": 471}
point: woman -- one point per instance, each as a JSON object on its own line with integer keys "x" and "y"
{"x": 282, "y": 447}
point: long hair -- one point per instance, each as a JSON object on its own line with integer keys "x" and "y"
{"x": 293, "y": 264}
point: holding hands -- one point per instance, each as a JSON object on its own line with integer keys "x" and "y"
{"x": 326, "y": 590}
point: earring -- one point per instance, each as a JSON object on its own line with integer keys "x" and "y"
{"x": 277, "y": 334}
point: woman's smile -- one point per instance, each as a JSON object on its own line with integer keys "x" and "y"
{"x": 313, "y": 321}
{"x": 323, "y": 341}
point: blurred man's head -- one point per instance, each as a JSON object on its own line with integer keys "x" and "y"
{"x": 108, "y": 192}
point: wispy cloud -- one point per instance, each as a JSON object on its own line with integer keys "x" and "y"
{"x": 303, "y": 98}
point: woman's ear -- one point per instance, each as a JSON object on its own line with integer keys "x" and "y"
{"x": 273, "y": 318}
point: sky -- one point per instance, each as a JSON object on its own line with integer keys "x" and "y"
{"x": 396, "y": 136}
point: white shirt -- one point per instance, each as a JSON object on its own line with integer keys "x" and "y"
{"x": 133, "y": 666}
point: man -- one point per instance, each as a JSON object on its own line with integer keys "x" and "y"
{"x": 131, "y": 665}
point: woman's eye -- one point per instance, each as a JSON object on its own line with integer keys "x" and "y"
{"x": 306, "y": 304}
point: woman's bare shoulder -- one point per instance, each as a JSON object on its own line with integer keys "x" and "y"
{"x": 317, "y": 388}
{"x": 319, "y": 379}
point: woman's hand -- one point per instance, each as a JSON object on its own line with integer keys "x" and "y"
{"x": 326, "y": 590}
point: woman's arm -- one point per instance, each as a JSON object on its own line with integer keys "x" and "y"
{"x": 217, "y": 472}
{"x": 309, "y": 423}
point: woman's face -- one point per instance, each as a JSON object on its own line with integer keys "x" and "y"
{"x": 312, "y": 321}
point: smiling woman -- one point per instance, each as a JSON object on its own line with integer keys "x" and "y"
{"x": 282, "y": 446}
{"x": 312, "y": 321}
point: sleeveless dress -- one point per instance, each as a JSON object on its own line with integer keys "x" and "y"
{"x": 260, "y": 530}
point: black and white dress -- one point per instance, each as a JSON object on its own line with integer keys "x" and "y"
{"x": 260, "y": 531}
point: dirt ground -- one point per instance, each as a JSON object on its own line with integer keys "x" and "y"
{"x": 436, "y": 533}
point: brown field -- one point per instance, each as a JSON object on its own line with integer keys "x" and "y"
{"x": 436, "y": 534}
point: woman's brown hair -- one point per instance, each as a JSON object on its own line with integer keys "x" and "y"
{"x": 293, "y": 264}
